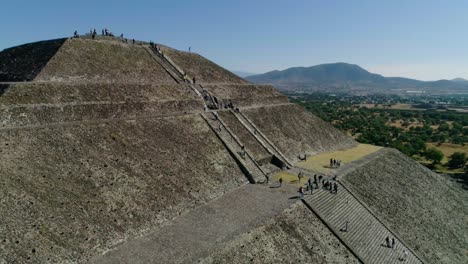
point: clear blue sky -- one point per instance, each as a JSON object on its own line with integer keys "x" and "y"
{"x": 422, "y": 39}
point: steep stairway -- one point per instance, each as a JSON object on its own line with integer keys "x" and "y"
{"x": 181, "y": 77}
{"x": 247, "y": 163}
{"x": 177, "y": 74}
{"x": 169, "y": 69}
{"x": 261, "y": 138}
{"x": 207, "y": 97}
{"x": 365, "y": 235}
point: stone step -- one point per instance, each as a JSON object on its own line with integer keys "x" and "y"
{"x": 334, "y": 210}
{"x": 330, "y": 202}
{"x": 344, "y": 209}
{"x": 365, "y": 233}
{"x": 350, "y": 214}
{"x": 367, "y": 242}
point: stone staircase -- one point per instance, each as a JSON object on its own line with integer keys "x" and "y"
{"x": 181, "y": 77}
{"x": 167, "y": 67}
{"x": 170, "y": 67}
{"x": 261, "y": 138}
{"x": 208, "y": 97}
{"x": 366, "y": 234}
{"x": 247, "y": 163}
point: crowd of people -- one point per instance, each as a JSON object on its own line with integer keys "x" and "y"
{"x": 329, "y": 185}
{"x": 104, "y": 32}
{"x": 334, "y": 163}
{"x": 214, "y": 102}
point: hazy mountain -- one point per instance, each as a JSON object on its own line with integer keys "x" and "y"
{"x": 344, "y": 77}
{"x": 319, "y": 73}
{"x": 459, "y": 80}
{"x": 243, "y": 74}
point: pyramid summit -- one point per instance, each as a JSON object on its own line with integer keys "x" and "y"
{"x": 117, "y": 151}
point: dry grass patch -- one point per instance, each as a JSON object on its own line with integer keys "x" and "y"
{"x": 395, "y": 106}
{"x": 399, "y": 123}
{"x": 321, "y": 162}
{"x": 448, "y": 149}
{"x": 289, "y": 178}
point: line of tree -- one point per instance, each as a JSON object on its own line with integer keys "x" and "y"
{"x": 413, "y": 130}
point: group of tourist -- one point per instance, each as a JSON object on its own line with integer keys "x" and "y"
{"x": 223, "y": 105}
{"x": 215, "y": 101}
{"x": 228, "y": 105}
{"x": 156, "y": 47}
{"x": 329, "y": 185}
{"x": 335, "y": 163}
{"x": 104, "y": 32}
{"x": 390, "y": 243}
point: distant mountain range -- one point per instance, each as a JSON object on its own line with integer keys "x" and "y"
{"x": 350, "y": 78}
{"x": 459, "y": 80}
{"x": 243, "y": 74}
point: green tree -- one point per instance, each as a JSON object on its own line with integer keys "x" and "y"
{"x": 434, "y": 155}
{"x": 418, "y": 144}
{"x": 457, "y": 160}
{"x": 444, "y": 127}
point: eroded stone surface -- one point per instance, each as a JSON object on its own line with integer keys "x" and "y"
{"x": 70, "y": 192}
{"x": 294, "y": 236}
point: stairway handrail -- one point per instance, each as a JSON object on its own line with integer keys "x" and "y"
{"x": 151, "y": 51}
{"x": 240, "y": 144}
{"x": 266, "y": 139}
{"x": 252, "y": 133}
{"x": 171, "y": 63}
{"x": 177, "y": 70}
{"x": 230, "y": 149}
